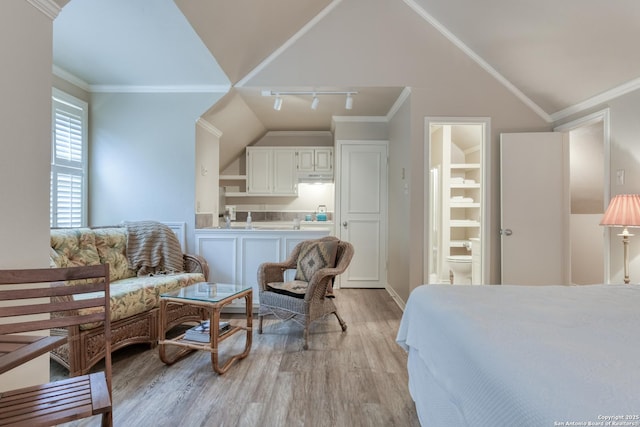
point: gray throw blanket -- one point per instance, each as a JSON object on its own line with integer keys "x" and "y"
{"x": 153, "y": 248}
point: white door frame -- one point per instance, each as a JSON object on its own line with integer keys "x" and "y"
{"x": 604, "y": 117}
{"x": 485, "y": 224}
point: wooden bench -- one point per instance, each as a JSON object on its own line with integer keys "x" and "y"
{"x": 42, "y": 294}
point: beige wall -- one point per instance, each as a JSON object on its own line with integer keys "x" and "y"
{"x": 361, "y": 128}
{"x": 25, "y": 150}
{"x": 400, "y": 234}
{"x": 207, "y": 164}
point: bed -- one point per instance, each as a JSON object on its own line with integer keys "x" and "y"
{"x": 523, "y": 355}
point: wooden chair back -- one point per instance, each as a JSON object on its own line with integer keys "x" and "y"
{"x": 37, "y": 300}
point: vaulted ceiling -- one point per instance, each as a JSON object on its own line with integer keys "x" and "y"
{"x": 556, "y": 56}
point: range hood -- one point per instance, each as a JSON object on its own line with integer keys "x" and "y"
{"x": 315, "y": 177}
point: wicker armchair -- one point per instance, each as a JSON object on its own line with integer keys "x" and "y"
{"x": 303, "y": 301}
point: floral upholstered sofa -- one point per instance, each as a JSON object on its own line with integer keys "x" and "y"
{"x": 135, "y": 289}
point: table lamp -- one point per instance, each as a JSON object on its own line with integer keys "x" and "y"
{"x": 623, "y": 211}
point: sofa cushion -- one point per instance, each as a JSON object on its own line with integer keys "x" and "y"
{"x": 111, "y": 244}
{"x": 314, "y": 256}
{"x": 136, "y": 295}
{"x": 74, "y": 247}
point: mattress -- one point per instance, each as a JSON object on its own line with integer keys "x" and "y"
{"x": 524, "y": 355}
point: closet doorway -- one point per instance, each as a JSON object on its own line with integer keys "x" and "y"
{"x": 456, "y": 194}
{"x": 589, "y": 185}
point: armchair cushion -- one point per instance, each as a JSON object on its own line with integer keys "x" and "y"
{"x": 314, "y": 256}
{"x": 295, "y": 288}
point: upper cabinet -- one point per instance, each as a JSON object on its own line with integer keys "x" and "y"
{"x": 276, "y": 171}
{"x": 315, "y": 159}
{"x": 271, "y": 171}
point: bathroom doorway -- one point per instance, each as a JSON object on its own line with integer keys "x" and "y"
{"x": 455, "y": 200}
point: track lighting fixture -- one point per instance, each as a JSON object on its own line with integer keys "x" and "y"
{"x": 277, "y": 105}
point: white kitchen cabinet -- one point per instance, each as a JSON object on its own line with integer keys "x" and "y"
{"x": 271, "y": 171}
{"x": 285, "y": 180}
{"x": 315, "y": 159}
{"x": 235, "y": 254}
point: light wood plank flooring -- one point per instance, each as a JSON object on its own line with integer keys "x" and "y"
{"x": 355, "y": 378}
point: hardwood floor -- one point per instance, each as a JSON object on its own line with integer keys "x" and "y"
{"x": 355, "y": 378}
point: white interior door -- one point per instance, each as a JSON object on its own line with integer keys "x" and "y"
{"x": 534, "y": 169}
{"x": 363, "y": 212}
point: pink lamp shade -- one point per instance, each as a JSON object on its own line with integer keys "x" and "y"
{"x": 623, "y": 211}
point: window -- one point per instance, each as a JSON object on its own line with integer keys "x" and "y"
{"x": 68, "y": 161}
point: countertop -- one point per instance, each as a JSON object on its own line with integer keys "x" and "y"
{"x": 274, "y": 225}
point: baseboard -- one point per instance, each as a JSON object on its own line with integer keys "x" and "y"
{"x": 395, "y": 297}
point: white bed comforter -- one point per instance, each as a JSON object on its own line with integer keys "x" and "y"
{"x": 528, "y": 355}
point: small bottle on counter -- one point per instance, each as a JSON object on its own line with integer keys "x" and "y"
{"x": 248, "y": 220}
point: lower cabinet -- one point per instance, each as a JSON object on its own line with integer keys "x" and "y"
{"x": 235, "y": 255}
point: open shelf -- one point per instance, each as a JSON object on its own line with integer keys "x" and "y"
{"x": 233, "y": 177}
{"x": 465, "y": 166}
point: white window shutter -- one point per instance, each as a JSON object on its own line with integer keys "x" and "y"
{"x": 69, "y": 163}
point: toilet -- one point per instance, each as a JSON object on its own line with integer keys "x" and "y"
{"x": 460, "y": 266}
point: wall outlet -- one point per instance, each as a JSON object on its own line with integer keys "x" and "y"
{"x": 620, "y": 176}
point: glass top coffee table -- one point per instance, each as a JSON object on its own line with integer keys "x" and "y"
{"x": 212, "y": 297}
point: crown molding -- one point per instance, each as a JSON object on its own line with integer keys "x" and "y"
{"x": 478, "y": 60}
{"x": 71, "y": 78}
{"x": 48, "y": 7}
{"x": 160, "y": 89}
{"x": 74, "y": 80}
{"x": 594, "y": 101}
{"x": 404, "y": 95}
{"x": 304, "y": 30}
{"x": 209, "y": 127}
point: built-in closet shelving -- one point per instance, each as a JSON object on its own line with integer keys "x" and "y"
{"x": 464, "y": 205}
{"x": 455, "y": 196}
{"x": 461, "y": 171}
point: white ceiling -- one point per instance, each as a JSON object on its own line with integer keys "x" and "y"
{"x": 555, "y": 55}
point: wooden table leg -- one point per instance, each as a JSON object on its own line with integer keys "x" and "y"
{"x": 162, "y": 347}
{"x": 248, "y": 298}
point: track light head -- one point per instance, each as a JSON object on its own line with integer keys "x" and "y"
{"x": 277, "y": 105}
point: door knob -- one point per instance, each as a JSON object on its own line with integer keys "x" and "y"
{"x": 344, "y": 224}
{"x": 506, "y": 232}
